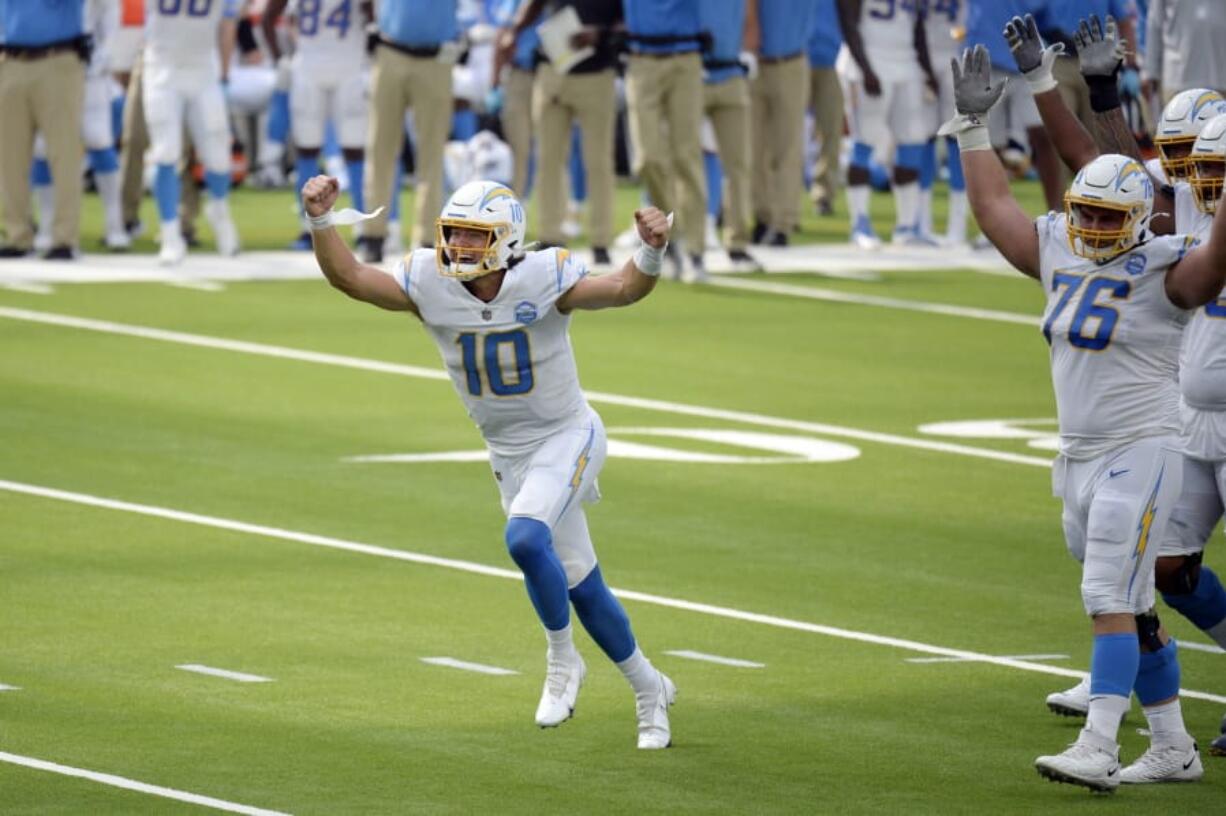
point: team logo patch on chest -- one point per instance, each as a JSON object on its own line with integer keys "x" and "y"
{"x": 1135, "y": 264}
{"x": 525, "y": 312}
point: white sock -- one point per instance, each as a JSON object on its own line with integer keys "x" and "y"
{"x": 906, "y": 202}
{"x": 561, "y": 640}
{"x": 1218, "y": 633}
{"x": 1106, "y": 711}
{"x": 925, "y": 211}
{"x": 170, "y": 229}
{"x": 108, "y": 191}
{"x": 857, "y": 201}
{"x": 1166, "y": 724}
{"x": 45, "y": 193}
{"x": 955, "y": 231}
{"x": 638, "y": 670}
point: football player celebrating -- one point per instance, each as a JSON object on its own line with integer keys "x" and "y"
{"x": 1187, "y": 585}
{"x": 500, "y": 317}
{"x": 1117, "y": 301}
{"x": 188, "y": 45}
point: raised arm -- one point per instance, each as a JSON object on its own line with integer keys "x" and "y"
{"x": 1073, "y": 142}
{"x": 637, "y": 277}
{"x": 987, "y": 187}
{"x": 1200, "y": 276}
{"x": 368, "y": 284}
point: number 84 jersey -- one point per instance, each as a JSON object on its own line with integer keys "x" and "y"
{"x": 1115, "y": 339}
{"x": 511, "y": 359}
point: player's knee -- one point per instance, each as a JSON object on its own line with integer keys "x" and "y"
{"x": 1177, "y": 574}
{"x": 527, "y": 539}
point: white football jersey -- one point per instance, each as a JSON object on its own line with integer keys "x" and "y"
{"x": 510, "y": 359}
{"x": 1115, "y": 340}
{"x": 183, "y": 33}
{"x": 887, "y": 28}
{"x": 945, "y": 30}
{"x": 330, "y": 32}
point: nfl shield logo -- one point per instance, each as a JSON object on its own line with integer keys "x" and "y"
{"x": 486, "y": 314}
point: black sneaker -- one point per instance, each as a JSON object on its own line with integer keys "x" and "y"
{"x": 370, "y": 249}
{"x": 742, "y": 261}
{"x": 189, "y": 238}
{"x": 134, "y": 228}
{"x": 777, "y": 239}
{"x": 600, "y": 257}
{"x": 759, "y": 233}
{"x": 13, "y": 252}
{"x": 825, "y": 207}
{"x": 59, "y": 253}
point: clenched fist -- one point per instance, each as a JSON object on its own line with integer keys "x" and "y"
{"x": 319, "y": 194}
{"x": 653, "y": 226}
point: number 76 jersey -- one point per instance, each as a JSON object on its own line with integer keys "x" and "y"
{"x": 509, "y": 359}
{"x": 1115, "y": 339}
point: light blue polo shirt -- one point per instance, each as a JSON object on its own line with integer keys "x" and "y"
{"x": 826, "y": 35}
{"x": 725, "y": 19}
{"x": 418, "y": 23}
{"x": 785, "y": 27}
{"x": 985, "y": 25}
{"x": 663, "y": 17}
{"x": 35, "y": 23}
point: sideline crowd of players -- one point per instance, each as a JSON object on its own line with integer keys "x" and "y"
{"x": 1130, "y": 256}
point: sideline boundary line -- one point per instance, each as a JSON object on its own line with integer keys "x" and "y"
{"x": 483, "y": 569}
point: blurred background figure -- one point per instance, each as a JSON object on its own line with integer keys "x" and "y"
{"x": 42, "y": 90}
{"x": 514, "y": 82}
{"x": 416, "y": 49}
{"x": 826, "y": 103}
{"x": 945, "y": 30}
{"x": 1184, "y": 46}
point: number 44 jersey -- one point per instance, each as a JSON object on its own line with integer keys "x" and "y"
{"x": 1115, "y": 339}
{"x": 510, "y": 359}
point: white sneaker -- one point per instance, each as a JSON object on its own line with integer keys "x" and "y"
{"x": 1085, "y": 762}
{"x": 217, "y": 211}
{"x": 563, "y": 677}
{"x": 652, "y": 709}
{"x": 117, "y": 239}
{"x": 174, "y": 248}
{"x": 393, "y": 242}
{"x": 862, "y": 235}
{"x": 1073, "y": 702}
{"x": 627, "y": 239}
{"x": 1167, "y": 763}
{"x": 711, "y": 234}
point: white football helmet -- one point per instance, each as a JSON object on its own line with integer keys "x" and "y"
{"x": 1208, "y": 159}
{"x": 1181, "y": 121}
{"x": 1111, "y": 182}
{"x": 488, "y": 207}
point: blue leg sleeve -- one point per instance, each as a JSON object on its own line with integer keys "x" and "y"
{"x": 40, "y": 173}
{"x": 332, "y": 144}
{"x": 578, "y": 175}
{"x": 531, "y": 546}
{"x": 304, "y": 168}
{"x": 357, "y": 169}
{"x": 166, "y": 191}
{"x": 861, "y": 155}
{"x": 104, "y": 161}
{"x": 603, "y": 617}
{"x": 278, "y": 117}
{"x": 953, "y": 161}
{"x": 928, "y": 165}
{"x": 218, "y": 184}
{"x": 1114, "y": 664}
{"x": 117, "y": 105}
{"x": 393, "y": 210}
{"x": 910, "y": 156}
{"x": 1206, "y": 605}
{"x": 1158, "y": 676}
{"x": 464, "y": 124}
{"x": 715, "y": 183}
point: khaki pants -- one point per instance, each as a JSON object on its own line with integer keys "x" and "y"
{"x": 826, "y": 100}
{"x": 779, "y": 97}
{"x": 668, "y": 91}
{"x": 557, "y": 101}
{"x": 41, "y": 95}
{"x": 726, "y": 104}
{"x": 517, "y": 124}
{"x": 397, "y": 82}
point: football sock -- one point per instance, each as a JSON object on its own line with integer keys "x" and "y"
{"x": 530, "y": 544}
{"x": 561, "y": 641}
{"x": 166, "y": 191}
{"x": 277, "y": 130}
{"x": 108, "y": 184}
{"x": 1205, "y": 606}
{"x": 857, "y": 202}
{"x": 603, "y": 616}
{"x": 906, "y": 201}
{"x": 715, "y": 182}
{"x": 305, "y": 167}
{"x": 40, "y": 172}
{"x": 955, "y": 231}
{"x": 1113, "y": 671}
{"x": 218, "y": 184}
{"x": 638, "y": 670}
{"x": 1166, "y": 725}
{"x": 357, "y": 171}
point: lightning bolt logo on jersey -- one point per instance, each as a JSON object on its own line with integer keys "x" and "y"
{"x": 510, "y": 359}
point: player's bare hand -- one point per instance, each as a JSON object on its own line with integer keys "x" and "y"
{"x": 872, "y": 85}
{"x": 319, "y": 194}
{"x": 652, "y": 226}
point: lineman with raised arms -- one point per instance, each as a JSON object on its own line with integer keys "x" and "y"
{"x": 500, "y": 317}
{"x": 1117, "y": 302}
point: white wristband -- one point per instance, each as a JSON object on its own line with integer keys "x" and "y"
{"x": 975, "y": 138}
{"x": 649, "y": 260}
{"x": 1040, "y": 80}
{"x": 339, "y": 219}
{"x": 320, "y": 223}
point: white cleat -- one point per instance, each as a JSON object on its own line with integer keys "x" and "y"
{"x": 652, "y": 709}
{"x": 217, "y": 211}
{"x": 117, "y": 240}
{"x": 1167, "y": 763}
{"x": 42, "y": 241}
{"x": 174, "y": 248}
{"x": 563, "y": 677}
{"x": 1087, "y": 762}
{"x": 1073, "y": 702}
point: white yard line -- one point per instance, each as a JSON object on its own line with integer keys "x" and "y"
{"x": 1011, "y": 657}
{"x": 710, "y": 658}
{"x": 464, "y": 665}
{"x": 3, "y": 687}
{"x": 241, "y": 677}
{"x": 27, "y": 287}
{"x": 483, "y": 569}
{"x": 816, "y": 293}
{"x": 139, "y": 787}
{"x": 1201, "y": 647}
{"x": 683, "y": 409}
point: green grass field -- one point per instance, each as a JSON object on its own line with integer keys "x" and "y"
{"x": 108, "y": 585}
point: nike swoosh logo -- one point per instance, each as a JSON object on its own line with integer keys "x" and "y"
{"x": 1111, "y": 474}
{"x": 1113, "y": 771}
{"x": 1188, "y": 764}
